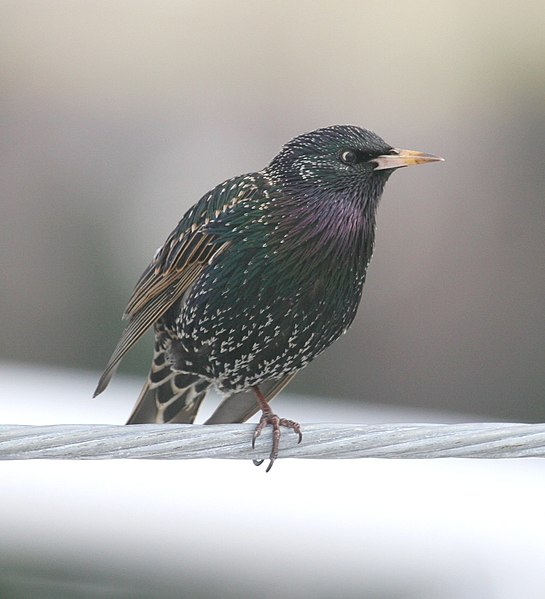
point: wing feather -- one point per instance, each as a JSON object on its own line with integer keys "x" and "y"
{"x": 153, "y": 296}
{"x": 188, "y": 250}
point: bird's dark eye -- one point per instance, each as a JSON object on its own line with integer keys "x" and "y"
{"x": 349, "y": 157}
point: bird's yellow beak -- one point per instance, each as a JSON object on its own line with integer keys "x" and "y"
{"x": 400, "y": 158}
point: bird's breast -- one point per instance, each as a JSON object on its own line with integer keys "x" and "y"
{"x": 285, "y": 289}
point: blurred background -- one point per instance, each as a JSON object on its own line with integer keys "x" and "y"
{"x": 115, "y": 117}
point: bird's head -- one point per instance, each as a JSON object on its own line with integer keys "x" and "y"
{"x": 341, "y": 159}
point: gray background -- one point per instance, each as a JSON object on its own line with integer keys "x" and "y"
{"x": 117, "y": 116}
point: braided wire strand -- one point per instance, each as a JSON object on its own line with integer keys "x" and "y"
{"x": 233, "y": 441}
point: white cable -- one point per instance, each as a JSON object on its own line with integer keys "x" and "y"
{"x": 233, "y": 441}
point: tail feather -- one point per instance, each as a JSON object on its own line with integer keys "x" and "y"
{"x": 168, "y": 396}
{"x": 240, "y": 406}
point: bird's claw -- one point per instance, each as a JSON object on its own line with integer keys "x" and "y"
{"x": 276, "y": 423}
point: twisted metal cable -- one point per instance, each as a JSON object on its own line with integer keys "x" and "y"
{"x": 233, "y": 441}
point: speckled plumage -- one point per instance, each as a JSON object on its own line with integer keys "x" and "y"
{"x": 260, "y": 276}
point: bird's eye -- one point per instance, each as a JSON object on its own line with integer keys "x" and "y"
{"x": 349, "y": 157}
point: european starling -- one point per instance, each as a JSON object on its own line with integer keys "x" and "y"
{"x": 261, "y": 275}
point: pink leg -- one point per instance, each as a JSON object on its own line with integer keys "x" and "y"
{"x": 268, "y": 417}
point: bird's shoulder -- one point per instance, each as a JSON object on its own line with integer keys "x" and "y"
{"x": 223, "y": 198}
{"x": 194, "y": 242}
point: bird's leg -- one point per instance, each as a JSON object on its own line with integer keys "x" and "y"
{"x": 268, "y": 417}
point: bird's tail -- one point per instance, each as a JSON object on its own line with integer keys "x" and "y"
{"x": 240, "y": 406}
{"x": 168, "y": 396}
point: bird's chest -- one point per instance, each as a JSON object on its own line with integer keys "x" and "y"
{"x": 285, "y": 272}
{"x": 263, "y": 311}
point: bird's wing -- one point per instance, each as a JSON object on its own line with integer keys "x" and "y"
{"x": 240, "y": 406}
{"x": 189, "y": 249}
{"x": 167, "y": 278}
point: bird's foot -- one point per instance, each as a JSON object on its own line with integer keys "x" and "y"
{"x": 269, "y": 418}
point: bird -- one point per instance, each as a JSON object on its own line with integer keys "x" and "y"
{"x": 258, "y": 278}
